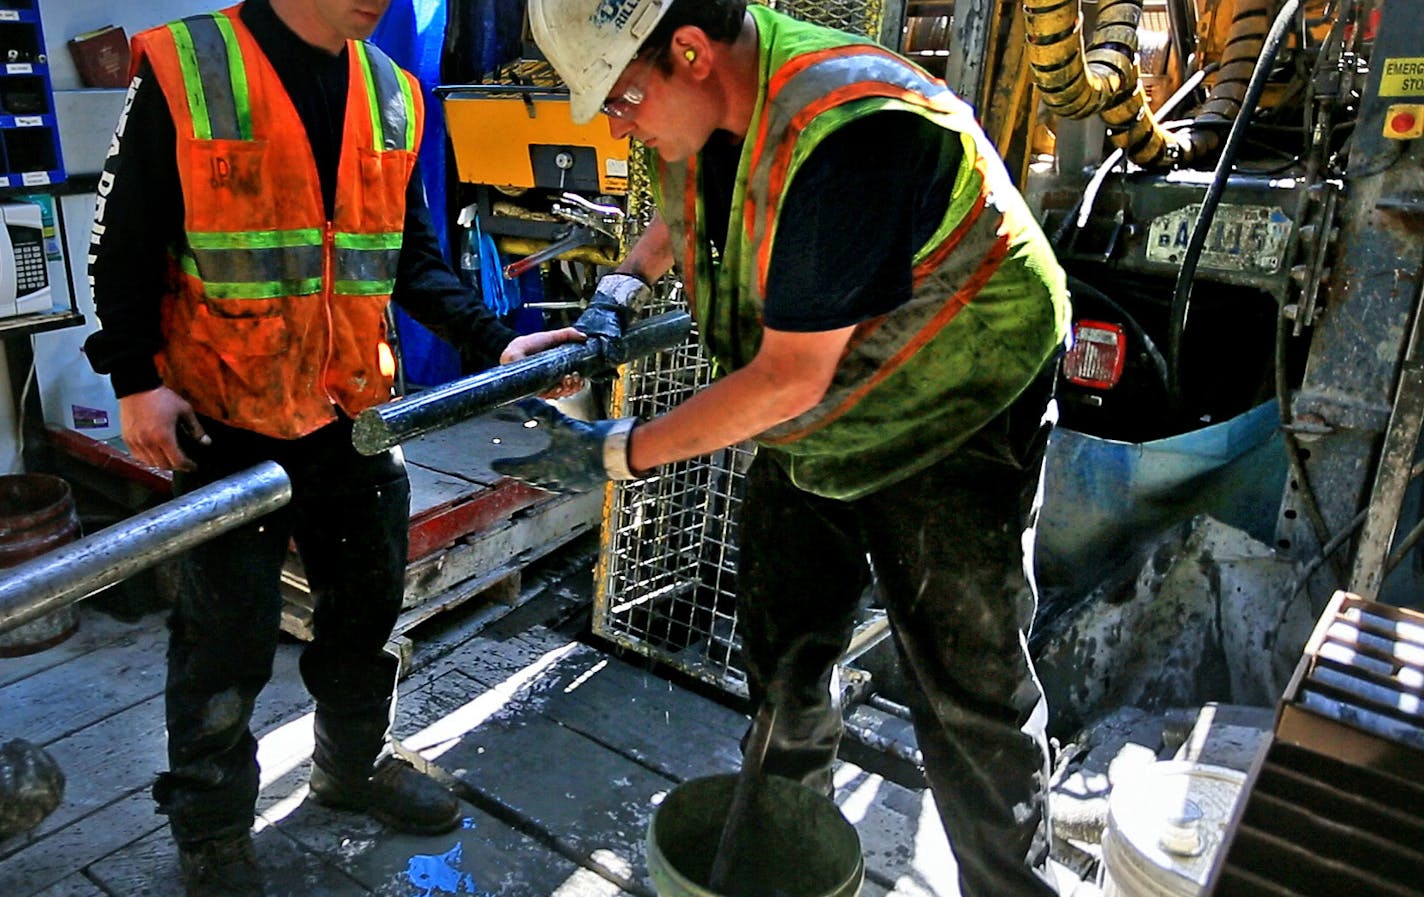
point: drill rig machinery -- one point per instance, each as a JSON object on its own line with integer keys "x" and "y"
{"x": 1234, "y": 189}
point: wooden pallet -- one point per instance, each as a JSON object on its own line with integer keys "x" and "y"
{"x": 472, "y": 530}
{"x": 483, "y": 565}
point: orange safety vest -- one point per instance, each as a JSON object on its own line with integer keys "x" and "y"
{"x": 275, "y": 316}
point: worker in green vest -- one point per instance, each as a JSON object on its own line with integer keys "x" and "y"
{"x": 885, "y": 316}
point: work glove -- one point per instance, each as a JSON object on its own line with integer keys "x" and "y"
{"x": 580, "y": 456}
{"x": 612, "y": 304}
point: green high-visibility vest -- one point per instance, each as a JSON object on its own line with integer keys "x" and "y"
{"x": 988, "y": 309}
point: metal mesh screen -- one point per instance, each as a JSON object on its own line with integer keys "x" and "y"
{"x": 855, "y": 16}
{"x": 666, "y": 576}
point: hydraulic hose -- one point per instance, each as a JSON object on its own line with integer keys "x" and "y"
{"x": 1245, "y": 43}
{"x": 1181, "y": 295}
{"x": 1105, "y": 79}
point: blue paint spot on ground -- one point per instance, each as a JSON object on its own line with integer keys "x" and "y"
{"x": 433, "y": 874}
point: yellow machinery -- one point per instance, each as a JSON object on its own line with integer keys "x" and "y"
{"x": 542, "y": 187}
{"x": 1231, "y": 235}
{"x": 513, "y": 136}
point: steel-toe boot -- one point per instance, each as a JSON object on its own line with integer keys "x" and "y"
{"x": 222, "y": 867}
{"x": 395, "y": 794}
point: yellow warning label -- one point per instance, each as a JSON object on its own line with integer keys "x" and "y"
{"x": 1403, "y": 77}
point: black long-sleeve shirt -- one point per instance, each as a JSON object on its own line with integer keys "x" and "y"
{"x": 869, "y": 195}
{"x": 140, "y": 215}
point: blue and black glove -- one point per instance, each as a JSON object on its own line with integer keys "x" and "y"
{"x": 580, "y": 456}
{"x": 612, "y": 304}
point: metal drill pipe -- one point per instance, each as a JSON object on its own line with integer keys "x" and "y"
{"x": 44, "y": 584}
{"x": 377, "y": 429}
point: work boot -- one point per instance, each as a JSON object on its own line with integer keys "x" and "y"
{"x": 222, "y": 867}
{"x": 395, "y": 794}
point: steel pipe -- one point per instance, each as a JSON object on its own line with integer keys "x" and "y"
{"x": 377, "y": 429}
{"x": 44, "y": 584}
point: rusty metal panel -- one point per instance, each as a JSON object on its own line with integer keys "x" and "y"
{"x": 973, "y": 26}
{"x": 1344, "y": 403}
{"x": 1401, "y": 444}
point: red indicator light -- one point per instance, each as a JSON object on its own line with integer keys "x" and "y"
{"x": 1097, "y": 356}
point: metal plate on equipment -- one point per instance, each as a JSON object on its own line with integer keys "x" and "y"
{"x": 1242, "y": 238}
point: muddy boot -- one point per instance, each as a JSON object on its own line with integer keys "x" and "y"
{"x": 222, "y": 867}
{"x": 395, "y": 794}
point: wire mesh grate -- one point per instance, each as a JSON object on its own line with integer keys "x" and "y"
{"x": 667, "y": 567}
{"x": 855, "y": 16}
{"x": 666, "y": 579}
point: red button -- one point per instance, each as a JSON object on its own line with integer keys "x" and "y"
{"x": 1402, "y": 123}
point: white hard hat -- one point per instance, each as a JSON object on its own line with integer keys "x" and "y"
{"x": 590, "y": 42}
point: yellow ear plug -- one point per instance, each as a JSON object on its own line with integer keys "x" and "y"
{"x": 690, "y": 55}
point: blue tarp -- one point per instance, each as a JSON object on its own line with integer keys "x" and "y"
{"x": 1103, "y": 498}
{"x": 413, "y": 33}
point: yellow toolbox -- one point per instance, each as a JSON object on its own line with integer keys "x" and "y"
{"x": 520, "y": 136}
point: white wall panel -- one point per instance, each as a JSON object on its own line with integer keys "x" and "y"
{"x": 64, "y": 19}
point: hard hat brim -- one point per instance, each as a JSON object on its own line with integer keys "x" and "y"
{"x": 589, "y": 46}
{"x": 584, "y": 105}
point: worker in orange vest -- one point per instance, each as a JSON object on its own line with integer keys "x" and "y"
{"x": 258, "y": 213}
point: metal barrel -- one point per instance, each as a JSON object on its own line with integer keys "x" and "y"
{"x": 377, "y": 429}
{"x": 65, "y": 575}
{"x": 37, "y": 515}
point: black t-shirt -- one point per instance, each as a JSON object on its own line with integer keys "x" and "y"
{"x": 140, "y": 215}
{"x": 869, "y": 195}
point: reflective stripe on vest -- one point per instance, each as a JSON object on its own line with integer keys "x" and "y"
{"x": 215, "y": 77}
{"x": 272, "y": 264}
{"x": 366, "y": 263}
{"x": 817, "y": 83}
{"x": 256, "y": 264}
{"x": 390, "y": 100}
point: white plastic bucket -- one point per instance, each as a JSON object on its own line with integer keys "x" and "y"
{"x": 1165, "y": 827}
{"x": 794, "y": 842}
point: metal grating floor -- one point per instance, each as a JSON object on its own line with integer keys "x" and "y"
{"x": 1335, "y": 804}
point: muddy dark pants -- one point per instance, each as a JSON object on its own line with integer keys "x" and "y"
{"x": 948, "y": 547}
{"x": 349, "y": 516}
